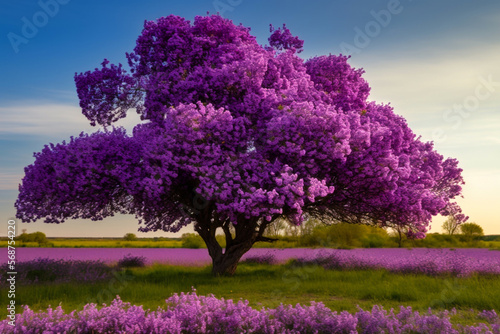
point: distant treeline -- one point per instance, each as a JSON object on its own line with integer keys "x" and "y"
{"x": 310, "y": 234}
{"x": 346, "y": 236}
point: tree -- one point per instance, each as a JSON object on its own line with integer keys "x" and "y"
{"x": 236, "y": 135}
{"x": 400, "y": 232}
{"x": 274, "y": 229}
{"x": 38, "y": 237}
{"x": 451, "y": 225}
{"x": 130, "y": 237}
{"x": 191, "y": 240}
{"x": 471, "y": 230}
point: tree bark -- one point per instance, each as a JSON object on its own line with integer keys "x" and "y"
{"x": 226, "y": 263}
{"x": 247, "y": 232}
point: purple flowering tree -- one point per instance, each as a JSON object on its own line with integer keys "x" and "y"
{"x": 237, "y": 135}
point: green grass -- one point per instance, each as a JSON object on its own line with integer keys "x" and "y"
{"x": 267, "y": 285}
{"x": 121, "y": 243}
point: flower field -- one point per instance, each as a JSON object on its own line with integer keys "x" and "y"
{"x": 460, "y": 262}
{"x": 190, "y": 313}
{"x": 48, "y": 268}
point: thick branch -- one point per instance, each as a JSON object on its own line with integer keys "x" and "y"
{"x": 266, "y": 239}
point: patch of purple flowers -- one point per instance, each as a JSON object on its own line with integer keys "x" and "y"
{"x": 261, "y": 259}
{"x": 190, "y": 313}
{"x": 58, "y": 271}
{"x": 491, "y": 316}
{"x": 130, "y": 261}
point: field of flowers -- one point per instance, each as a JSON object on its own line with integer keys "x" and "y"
{"x": 197, "y": 313}
{"x": 190, "y": 313}
{"x": 460, "y": 262}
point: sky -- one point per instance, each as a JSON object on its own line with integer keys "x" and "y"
{"x": 436, "y": 62}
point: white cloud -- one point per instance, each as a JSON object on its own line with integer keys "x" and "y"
{"x": 422, "y": 85}
{"x": 10, "y": 181}
{"x": 432, "y": 81}
{"x": 53, "y": 120}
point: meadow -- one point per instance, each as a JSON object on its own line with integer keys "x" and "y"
{"x": 101, "y": 243}
{"x": 467, "y": 280}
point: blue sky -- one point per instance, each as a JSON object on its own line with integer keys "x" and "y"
{"x": 436, "y": 62}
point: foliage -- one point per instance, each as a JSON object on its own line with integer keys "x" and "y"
{"x": 303, "y": 230}
{"x": 374, "y": 240}
{"x": 191, "y": 240}
{"x": 471, "y": 231}
{"x": 131, "y": 261}
{"x": 347, "y": 236}
{"x": 276, "y": 228}
{"x": 237, "y": 135}
{"x": 432, "y": 240}
{"x": 57, "y": 271}
{"x": 38, "y": 237}
{"x": 491, "y": 238}
{"x": 451, "y": 225}
{"x": 130, "y": 237}
{"x": 190, "y": 313}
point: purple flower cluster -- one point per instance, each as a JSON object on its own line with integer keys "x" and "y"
{"x": 491, "y": 316}
{"x": 190, "y": 313}
{"x": 260, "y": 259}
{"x": 106, "y": 94}
{"x": 58, "y": 271}
{"x": 129, "y": 261}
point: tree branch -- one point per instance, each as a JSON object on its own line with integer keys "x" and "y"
{"x": 266, "y": 239}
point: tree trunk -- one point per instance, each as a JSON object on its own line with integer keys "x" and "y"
{"x": 246, "y": 233}
{"x": 226, "y": 263}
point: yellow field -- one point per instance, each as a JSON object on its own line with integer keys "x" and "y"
{"x": 101, "y": 243}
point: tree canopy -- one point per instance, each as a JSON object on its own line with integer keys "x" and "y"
{"x": 237, "y": 134}
{"x": 471, "y": 230}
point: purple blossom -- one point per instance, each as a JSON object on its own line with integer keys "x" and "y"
{"x": 190, "y": 313}
{"x": 282, "y": 39}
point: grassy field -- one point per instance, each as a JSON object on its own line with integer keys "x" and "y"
{"x": 270, "y": 285}
{"x": 101, "y": 243}
{"x": 121, "y": 243}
